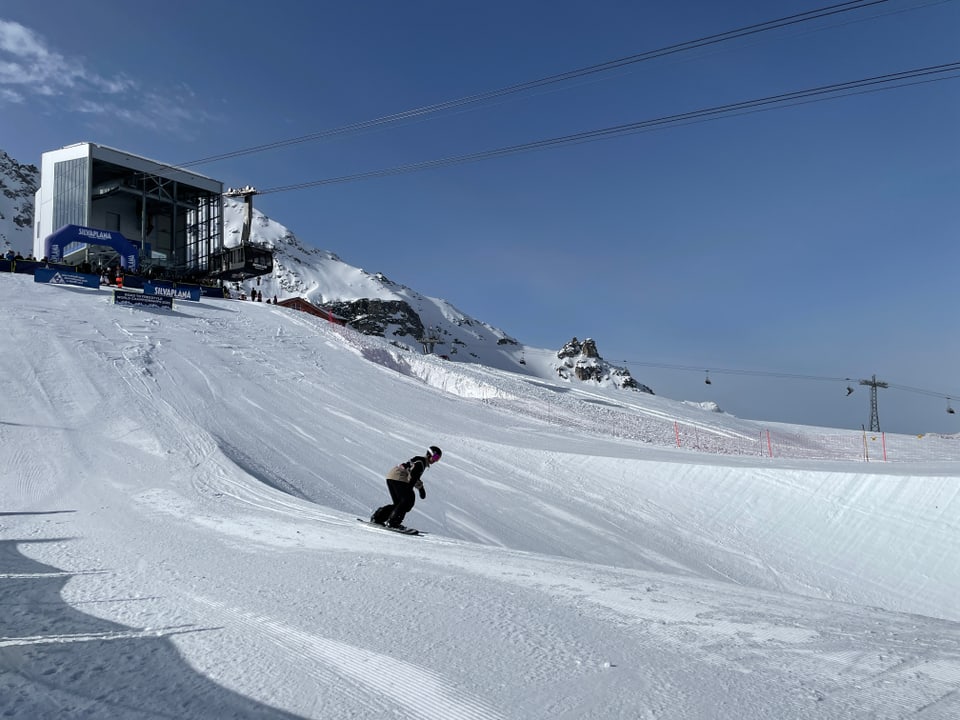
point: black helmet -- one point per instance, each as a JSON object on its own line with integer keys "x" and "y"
{"x": 434, "y": 453}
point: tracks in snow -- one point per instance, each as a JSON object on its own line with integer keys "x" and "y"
{"x": 367, "y": 678}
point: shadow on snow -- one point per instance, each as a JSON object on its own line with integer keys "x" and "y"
{"x": 56, "y": 661}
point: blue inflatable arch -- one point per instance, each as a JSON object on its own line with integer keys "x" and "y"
{"x": 57, "y": 241}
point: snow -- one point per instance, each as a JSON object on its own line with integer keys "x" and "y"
{"x": 178, "y": 537}
{"x": 322, "y": 277}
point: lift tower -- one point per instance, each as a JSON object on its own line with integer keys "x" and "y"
{"x": 247, "y": 194}
{"x": 874, "y": 415}
{"x": 430, "y": 339}
{"x": 247, "y": 259}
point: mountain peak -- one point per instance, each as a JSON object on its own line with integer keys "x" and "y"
{"x": 582, "y": 361}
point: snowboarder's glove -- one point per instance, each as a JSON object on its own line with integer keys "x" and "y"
{"x": 423, "y": 494}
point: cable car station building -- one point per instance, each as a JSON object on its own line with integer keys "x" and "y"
{"x": 172, "y": 217}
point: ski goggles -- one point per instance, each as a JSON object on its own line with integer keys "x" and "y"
{"x": 435, "y": 457}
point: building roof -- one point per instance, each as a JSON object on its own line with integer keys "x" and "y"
{"x": 128, "y": 160}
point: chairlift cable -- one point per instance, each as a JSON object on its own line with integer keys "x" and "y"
{"x": 554, "y": 79}
{"x": 889, "y": 81}
{"x": 782, "y": 375}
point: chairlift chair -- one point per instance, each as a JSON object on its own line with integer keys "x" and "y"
{"x": 707, "y": 380}
{"x": 950, "y": 410}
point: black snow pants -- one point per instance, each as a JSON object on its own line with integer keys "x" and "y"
{"x": 403, "y": 500}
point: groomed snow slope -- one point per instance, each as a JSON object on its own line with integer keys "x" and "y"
{"x": 178, "y": 494}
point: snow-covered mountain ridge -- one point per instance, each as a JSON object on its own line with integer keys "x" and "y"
{"x": 376, "y": 305}
{"x": 370, "y": 302}
{"x": 18, "y": 183}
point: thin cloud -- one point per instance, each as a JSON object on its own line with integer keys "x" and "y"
{"x": 32, "y": 71}
{"x": 28, "y": 65}
{"x": 10, "y": 97}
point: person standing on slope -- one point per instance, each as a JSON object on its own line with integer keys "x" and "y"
{"x": 401, "y": 481}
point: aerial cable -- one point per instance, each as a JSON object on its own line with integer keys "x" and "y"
{"x": 550, "y": 80}
{"x": 921, "y": 391}
{"x": 784, "y": 375}
{"x": 734, "y": 371}
{"x": 825, "y": 92}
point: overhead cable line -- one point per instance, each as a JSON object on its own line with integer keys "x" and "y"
{"x": 731, "y": 371}
{"x": 921, "y": 391}
{"x": 825, "y": 92}
{"x": 551, "y": 79}
{"x": 779, "y": 375}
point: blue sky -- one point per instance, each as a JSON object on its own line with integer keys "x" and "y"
{"x": 814, "y": 241}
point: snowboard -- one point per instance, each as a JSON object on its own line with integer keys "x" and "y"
{"x": 408, "y": 531}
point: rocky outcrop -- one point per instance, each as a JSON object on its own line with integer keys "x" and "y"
{"x": 582, "y": 361}
{"x": 386, "y": 318}
{"x": 18, "y": 184}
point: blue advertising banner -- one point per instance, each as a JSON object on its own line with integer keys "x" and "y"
{"x": 133, "y": 281}
{"x": 27, "y": 267}
{"x": 211, "y": 291}
{"x": 123, "y": 297}
{"x": 57, "y": 242}
{"x": 59, "y": 276}
{"x": 172, "y": 290}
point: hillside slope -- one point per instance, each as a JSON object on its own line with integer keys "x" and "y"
{"x": 178, "y": 536}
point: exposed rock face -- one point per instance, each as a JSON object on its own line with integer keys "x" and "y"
{"x": 385, "y": 318}
{"x": 18, "y": 184}
{"x": 583, "y": 362}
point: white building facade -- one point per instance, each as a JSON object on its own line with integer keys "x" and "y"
{"x": 172, "y": 215}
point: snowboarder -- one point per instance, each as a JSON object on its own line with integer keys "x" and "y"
{"x": 401, "y": 480}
